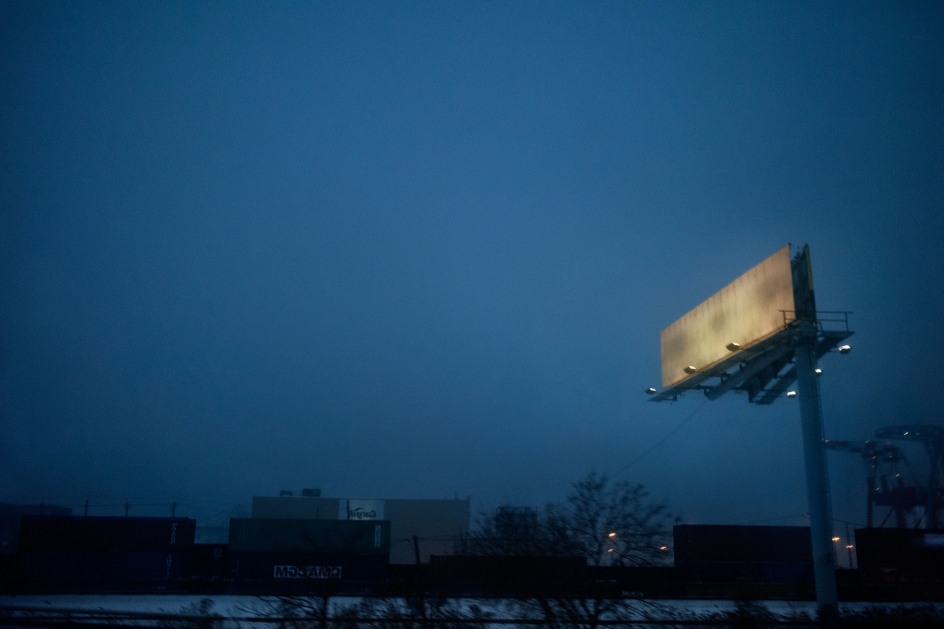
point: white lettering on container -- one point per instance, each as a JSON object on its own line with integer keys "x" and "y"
{"x": 306, "y": 572}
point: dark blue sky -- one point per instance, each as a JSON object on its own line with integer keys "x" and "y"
{"x": 426, "y": 249}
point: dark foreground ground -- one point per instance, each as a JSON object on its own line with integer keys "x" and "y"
{"x": 236, "y": 612}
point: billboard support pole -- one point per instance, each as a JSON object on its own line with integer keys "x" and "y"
{"x": 814, "y": 453}
{"x": 817, "y": 484}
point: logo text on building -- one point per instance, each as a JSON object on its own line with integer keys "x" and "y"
{"x": 361, "y": 514}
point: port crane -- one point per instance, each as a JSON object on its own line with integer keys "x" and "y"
{"x": 932, "y": 436}
{"x": 887, "y": 485}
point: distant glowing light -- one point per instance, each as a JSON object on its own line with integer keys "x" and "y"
{"x": 791, "y": 393}
{"x": 612, "y": 534}
{"x": 663, "y": 547}
{"x": 844, "y": 349}
{"x": 818, "y": 371}
{"x": 836, "y": 538}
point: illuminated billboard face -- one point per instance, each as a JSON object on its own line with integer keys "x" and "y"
{"x": 746, "y": 311}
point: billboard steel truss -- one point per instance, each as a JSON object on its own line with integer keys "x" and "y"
{"x": 765, "y": 371}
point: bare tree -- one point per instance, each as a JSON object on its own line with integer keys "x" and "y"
{"x": 608, "y": 523}
{"x": 611, "y": 523}
{"x": 511, "y": 531}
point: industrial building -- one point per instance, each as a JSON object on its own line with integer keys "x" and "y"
{"x": 418, "y": 528}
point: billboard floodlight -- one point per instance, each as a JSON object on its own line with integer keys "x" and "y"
{"x": 733, "y": 347}
{"x": 650, "y": 390}
{"x": 791, "y": 393}
{"x": 844, "y": 349}
{"x": 690, "y": 369}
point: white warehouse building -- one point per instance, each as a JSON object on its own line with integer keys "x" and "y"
{"x": 418, "y": 528}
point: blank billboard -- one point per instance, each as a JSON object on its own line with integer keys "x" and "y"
{"x": 746, "y": 311}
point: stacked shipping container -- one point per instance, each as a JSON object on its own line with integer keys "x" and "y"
{"x": 304, "y": 555}
{"x": 104, "y": 553}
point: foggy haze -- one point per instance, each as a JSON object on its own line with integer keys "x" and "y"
{"x": 425, "y": 250}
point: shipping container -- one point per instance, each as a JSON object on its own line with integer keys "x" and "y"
{"x": 210, "y": 566}
{"x": 508, "y": 575}
{"x": 102, "y": 571}
{"x": 901, "y": 554}
{"x": 754, "y": 544}
{"x": 10, "y": 516}
{"x": 286, "y": 571}
{"x": 330, "y": 537}
{"x": 747, "y": 571}
{"x": 105, "y": 534}
{"x": 726, "y": 554}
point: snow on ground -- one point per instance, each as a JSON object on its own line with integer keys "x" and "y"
{"x": 240, "y": 610}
